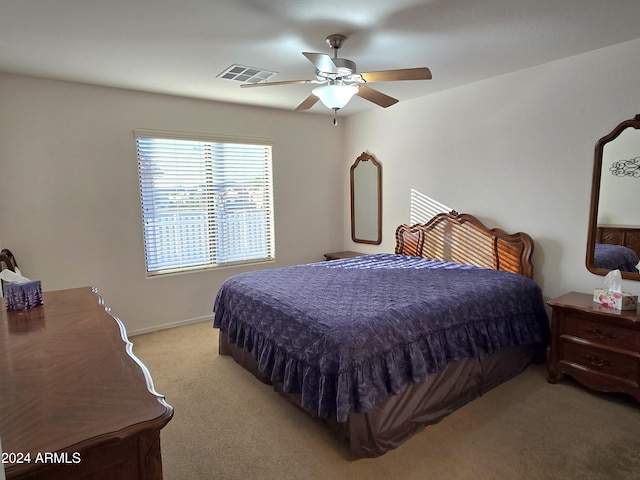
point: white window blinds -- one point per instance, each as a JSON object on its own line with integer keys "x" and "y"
{"x": 206, "y": 201}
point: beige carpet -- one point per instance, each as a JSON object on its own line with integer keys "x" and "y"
{"x": 229, "y": 426}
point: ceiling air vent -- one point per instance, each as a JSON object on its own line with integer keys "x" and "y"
{"x": 243, "y": 74}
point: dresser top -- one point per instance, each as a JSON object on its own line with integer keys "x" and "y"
{"x": 584, "y": 302}
{"x": 69, "y": 379}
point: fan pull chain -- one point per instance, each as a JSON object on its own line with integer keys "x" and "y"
{"x": 335, "y": 120}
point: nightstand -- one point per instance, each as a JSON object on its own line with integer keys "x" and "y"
{"x": 340, "y": 255}
{"x": 596, "y": 345}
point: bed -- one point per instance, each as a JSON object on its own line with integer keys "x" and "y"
{"x": 381, "y": 345}
{"x": 615, "y": 257}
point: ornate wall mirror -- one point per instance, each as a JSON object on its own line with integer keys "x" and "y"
{"x": 366, "y": 200}
{"x": 614, "y": 222}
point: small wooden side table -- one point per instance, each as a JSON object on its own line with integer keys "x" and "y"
{"x": 597, "y": 345}
{"x": 340, "y": 255}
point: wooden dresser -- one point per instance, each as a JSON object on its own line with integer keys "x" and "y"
{"x": 597, "y": 345}
{"x": 74, "y": 400}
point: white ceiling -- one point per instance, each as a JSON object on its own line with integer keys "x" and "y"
{"x": 179, "y": 46}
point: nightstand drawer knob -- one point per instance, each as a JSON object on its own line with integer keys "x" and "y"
{"x": 596, "y": 361}
{"x": 599, "y": 333}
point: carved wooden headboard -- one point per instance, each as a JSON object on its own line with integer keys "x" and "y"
{"x": 462, "y": 238}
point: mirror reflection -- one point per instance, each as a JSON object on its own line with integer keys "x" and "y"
{"x": 366, "y": 200}
{"x": 614, "y": 229}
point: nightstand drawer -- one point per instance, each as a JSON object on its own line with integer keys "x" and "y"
{"x": 602, "y": 333}
{"x": 602, "y": 361}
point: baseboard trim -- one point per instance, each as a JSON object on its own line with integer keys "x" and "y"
{"x": 167, "y": 326}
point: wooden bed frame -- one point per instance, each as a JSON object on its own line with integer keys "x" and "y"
{"x": 460, "y": 238}
{"x": 619, "y": 235}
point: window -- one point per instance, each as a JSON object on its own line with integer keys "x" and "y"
{"x": 206, "y": 201}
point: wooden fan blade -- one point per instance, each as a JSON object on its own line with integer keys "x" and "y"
{"x": 422, "y": 73}
{"x": 308, "y": 102}
{"x": 376, "y": 97}
{"x": 270, "y": 84}
{"x": 322, "y": 61}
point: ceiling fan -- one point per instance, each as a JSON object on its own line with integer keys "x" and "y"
{"x": 339, "y": 81}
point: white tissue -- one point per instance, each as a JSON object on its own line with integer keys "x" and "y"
{"x": 638, "y": 266}
{"x": 12, "y": 277}
{"x": 613, "y": 281}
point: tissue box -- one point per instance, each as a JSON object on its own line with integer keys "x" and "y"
{"x": 619, "y": 301}
{"x": 22, "y": 296}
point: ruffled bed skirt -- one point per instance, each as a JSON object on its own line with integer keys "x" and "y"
{"x": 393, "y": 421}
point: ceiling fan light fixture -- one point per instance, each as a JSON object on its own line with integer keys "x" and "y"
{"x": 335, "y": 96}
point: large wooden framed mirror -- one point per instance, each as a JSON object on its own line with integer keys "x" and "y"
{"x": 366, "y": 200}
{"x": 614, "y": 221}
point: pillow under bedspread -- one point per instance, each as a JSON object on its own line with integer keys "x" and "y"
{"x": 346, "y": 334}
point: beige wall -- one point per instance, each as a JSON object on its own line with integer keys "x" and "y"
{"x": 69, "y": 198}
{"x": 516, "y": 151}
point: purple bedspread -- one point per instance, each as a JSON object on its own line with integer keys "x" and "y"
{"x": 346, "y": 334}
{"x": 615, "y": 257}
